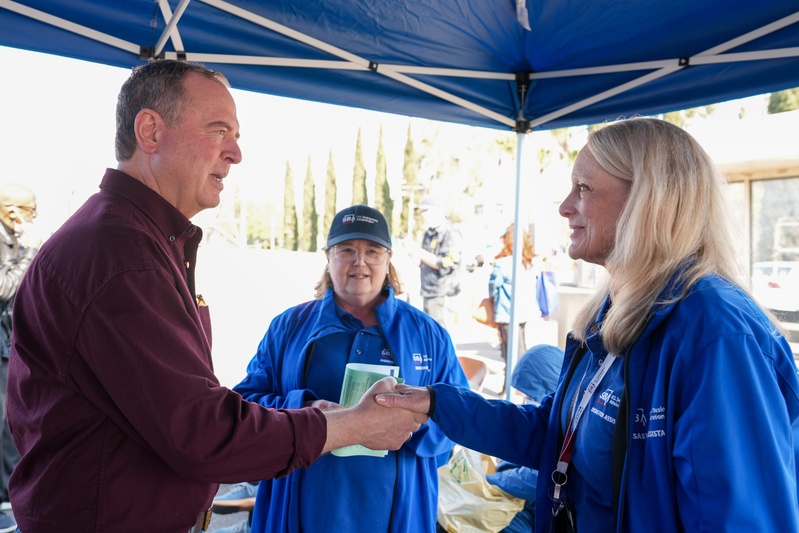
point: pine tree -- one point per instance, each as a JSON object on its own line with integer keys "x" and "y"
{"x": 330, "y": 196}
{"x": 359, "y": 175}
{"x": 310, "y": 217}
{"x": 289, "y": 212}
{"x": 383, "y": 201}
{"x": 411, "y": 189}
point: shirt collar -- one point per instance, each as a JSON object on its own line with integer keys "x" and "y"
{"x": 167, "y": 218}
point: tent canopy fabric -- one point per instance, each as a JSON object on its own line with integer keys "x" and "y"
{"x": 517, "y": 65}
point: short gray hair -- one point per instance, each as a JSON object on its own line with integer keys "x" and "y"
{"x": 157, "y": 85}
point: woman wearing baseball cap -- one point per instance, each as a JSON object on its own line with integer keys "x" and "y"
{"x": 354, "y": 318}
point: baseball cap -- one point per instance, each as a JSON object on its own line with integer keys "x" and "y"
{"x": 359, "y": 222}
{"x": 430, "y": 201}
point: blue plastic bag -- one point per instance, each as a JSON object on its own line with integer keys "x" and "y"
{"x": 547, "y": 293}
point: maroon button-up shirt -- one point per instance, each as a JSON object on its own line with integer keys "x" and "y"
{"x": 112, "y": 399}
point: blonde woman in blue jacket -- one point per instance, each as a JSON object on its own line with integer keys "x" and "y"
{"x": 355, "y": 318}
{"x": 679, "y": 392}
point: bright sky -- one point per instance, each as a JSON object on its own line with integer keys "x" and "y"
{"x": 59, "y": 134}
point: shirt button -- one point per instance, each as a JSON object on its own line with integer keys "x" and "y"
{"x": 358, "y": 352}
{"x": 172, "y": 238}
{"x": 190, "y": 230}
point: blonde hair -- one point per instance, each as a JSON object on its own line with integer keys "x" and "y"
{"x": 675, "y": 221}
{"x": 392, "y": 278}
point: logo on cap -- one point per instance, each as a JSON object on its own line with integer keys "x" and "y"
{"x": 348, "y": 219}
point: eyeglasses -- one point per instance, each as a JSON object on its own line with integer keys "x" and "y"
{"x": 31, "y": 210}
{"x": 371, "y": 255}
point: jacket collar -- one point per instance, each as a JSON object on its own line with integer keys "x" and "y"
{"x": 657, "y": 314}
{"x": 328, "y": 314}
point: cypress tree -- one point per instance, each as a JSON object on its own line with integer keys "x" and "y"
{"x": 411, "y": 189}
{"x": 310, "y": 218}
{"x": 358, "y": 175}
{"x": 330, "y": 196}
{"x": 290, "y": 236}
{"x": 383, "y": 201}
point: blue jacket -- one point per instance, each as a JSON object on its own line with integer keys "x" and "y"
{"x": 718, "y": 447}
{"x": 425, "y": 354}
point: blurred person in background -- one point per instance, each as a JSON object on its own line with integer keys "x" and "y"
{"x": 19, "y": 244}
{"x": 500, "y": 287}
{"x": 439, "y": 259}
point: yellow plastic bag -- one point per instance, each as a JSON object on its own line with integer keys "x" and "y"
{"x": 467, "y": 502}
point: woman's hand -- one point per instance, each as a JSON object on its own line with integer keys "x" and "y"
{"x": 415, "y": 399}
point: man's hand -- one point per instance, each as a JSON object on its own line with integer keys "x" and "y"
{"x": 416, "y": 399}
{"x": 370, "y": 424}
{"x": 324, "y": 405}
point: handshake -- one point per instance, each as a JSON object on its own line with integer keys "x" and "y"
{"x": 384, "y": 419}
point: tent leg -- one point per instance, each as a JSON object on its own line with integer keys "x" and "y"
{"x": 518, "y": 242}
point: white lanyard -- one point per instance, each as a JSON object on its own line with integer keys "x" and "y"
{"x": 559, "y": 476}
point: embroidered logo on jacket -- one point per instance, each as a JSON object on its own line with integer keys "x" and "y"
{"x": 422, "y": 361}
{"x": 607, "y": 401}
{"x": 608, "y": 396}
{"x": 642, "y": 422}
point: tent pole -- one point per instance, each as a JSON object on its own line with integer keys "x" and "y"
{"x": 518, "y": 242}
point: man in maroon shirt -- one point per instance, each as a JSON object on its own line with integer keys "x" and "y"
{"x": 112, "y": 399}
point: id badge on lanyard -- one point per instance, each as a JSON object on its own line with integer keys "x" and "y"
{"x": 559, "y": 475}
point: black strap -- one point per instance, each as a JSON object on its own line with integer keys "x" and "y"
{"x": 619, "y": 444}
{"x": 308, "y": 355}
{"x": 621, "y": 431}
{"x": 431, "y": 392}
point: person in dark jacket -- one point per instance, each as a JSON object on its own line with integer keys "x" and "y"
{"x": 354, "y": 320}
{"x": 439, "y": 261}
{"x": 677, "y": 408}
{"x": 19, "y": 244}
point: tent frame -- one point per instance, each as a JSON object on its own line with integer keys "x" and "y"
{"x": 406, "y": 75}
{"x": 401, "y": 73}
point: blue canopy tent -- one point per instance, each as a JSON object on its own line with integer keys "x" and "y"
{"x": 509, "y": 64}
{"x": 495, "y": 63}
